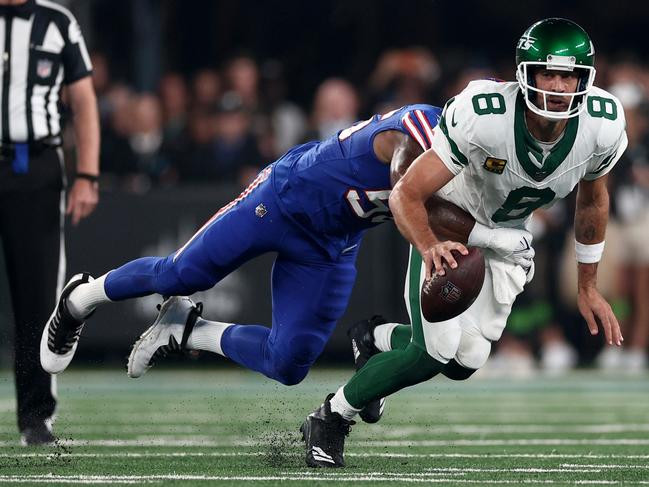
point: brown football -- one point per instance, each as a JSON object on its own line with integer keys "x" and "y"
{"x": 445, "y": 297}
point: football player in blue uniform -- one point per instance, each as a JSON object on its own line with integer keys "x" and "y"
{"x": 312, "y": 206}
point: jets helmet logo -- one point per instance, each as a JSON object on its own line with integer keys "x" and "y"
{"x": 526, "y": 42}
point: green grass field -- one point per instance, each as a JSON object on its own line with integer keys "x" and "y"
{"x": 208, "y": 427}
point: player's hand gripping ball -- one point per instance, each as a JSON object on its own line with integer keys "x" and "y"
{"x": 445, "y": 297}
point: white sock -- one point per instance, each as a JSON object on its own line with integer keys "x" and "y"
{"x": 85, "y": 298}
{"x": 382, "y": 334}
{"x": 340, "y": 405}
{"x": 206, "y": 335}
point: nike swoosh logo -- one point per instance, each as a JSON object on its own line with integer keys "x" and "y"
{"x": 453, "y": 122}
{"x": 527, "y": 246}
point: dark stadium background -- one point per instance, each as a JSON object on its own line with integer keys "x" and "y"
{"x": 307, "y": 42}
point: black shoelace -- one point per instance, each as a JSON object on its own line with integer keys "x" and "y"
{"x": 173, "y": 347}
{"x": 64, "y": 332}
{"x": 337, "y": 430}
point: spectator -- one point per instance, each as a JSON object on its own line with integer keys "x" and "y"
{"x": 402, "y": 77}
{"x": 206, "y": 88}
{"x": 174, "y": 98}
{"x": 335, "y": 107}
{"x": 286, "y": 119}
{"x": 631, "y": 212}
{"x": 242, "y": 77}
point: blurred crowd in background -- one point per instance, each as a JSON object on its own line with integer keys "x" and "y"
{"x": 221, "y": 123}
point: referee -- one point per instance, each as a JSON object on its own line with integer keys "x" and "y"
{"x": 42, "y": 51}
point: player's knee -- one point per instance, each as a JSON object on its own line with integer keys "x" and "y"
{"x": 287, "y": 371}
{"x": 455, "y": 371}
{"x": 291, "y": 375}
{"x": 191, "y": 278}
{"x": 473, "y": 351}
{"x": 291, "y": 362}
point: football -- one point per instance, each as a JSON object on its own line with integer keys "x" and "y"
{"x": 445, "y": 297}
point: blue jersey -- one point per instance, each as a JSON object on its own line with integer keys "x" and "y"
{"x": 311, "y": 208}
{"x": 337, "y": 188}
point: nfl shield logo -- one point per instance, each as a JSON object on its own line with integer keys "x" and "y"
{"x": 450, "y": 292}
{"x": 44, "y": 68}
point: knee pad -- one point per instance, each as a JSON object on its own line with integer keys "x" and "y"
{"x": 473, "y": 351}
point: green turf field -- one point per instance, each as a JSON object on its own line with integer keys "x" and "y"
{"x": 209, "y": 427}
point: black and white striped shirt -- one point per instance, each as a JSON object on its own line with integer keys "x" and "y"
{"x": 42, "y": 47}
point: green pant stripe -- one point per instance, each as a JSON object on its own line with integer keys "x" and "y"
{"x": 414, "y": 298}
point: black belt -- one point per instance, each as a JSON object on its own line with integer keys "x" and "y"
{"x": 35, "y": 147}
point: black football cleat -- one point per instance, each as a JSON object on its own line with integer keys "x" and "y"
{"x": 38, "y": 434}
{"x": 324, "y": 435}
{"x": 361, "y": 335}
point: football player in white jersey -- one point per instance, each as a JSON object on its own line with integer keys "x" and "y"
{"x": 502, "y": 151}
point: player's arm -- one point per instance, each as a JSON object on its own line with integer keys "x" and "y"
{"x": 448, "y": 221}
{"x": 591, "y": 217}
{"x": 425, "y": 176}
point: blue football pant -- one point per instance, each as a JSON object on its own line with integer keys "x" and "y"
{"x": 310, "y": 291}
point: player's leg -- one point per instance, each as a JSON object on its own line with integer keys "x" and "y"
{"x": 32, "y": 241}
{"x": 234, "y": 235}
{"x": 309, "y": 296}
{"x": 431, "y": 347}
{"x": 482, "y": 324}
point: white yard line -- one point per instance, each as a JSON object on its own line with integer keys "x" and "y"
{"x": 130, "y": 479}
{"x": 487, "y": 456}
{"x": 383, "y": 431}
{"x": 207, "y": 442}
{"x": 574, "y": 465}
{"x": 506, "y": 442}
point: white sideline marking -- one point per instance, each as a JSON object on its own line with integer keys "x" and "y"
{"x": 383, "y": 431}
{"x": 589, "y": 456}
{"x": 454, "y": 471}
{"x": 573, "y": 465}
{"x": 130, "y": 479}
{"x": 470, "y": 429}
{"x": 192, "y": 441}
{"x": 508, "y": 442}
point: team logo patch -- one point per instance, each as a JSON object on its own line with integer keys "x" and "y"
{"x": 450, "y": 292}
{"x": 261, "y": 210}
{"x": 495, "y": 165}
{"x": 44, "y": 68}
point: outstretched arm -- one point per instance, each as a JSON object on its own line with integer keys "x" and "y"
{"x": 591, "y": 217}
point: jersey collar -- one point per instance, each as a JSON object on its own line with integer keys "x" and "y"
{"x": 527, "y": 147}
{"x": 24, "y": 10}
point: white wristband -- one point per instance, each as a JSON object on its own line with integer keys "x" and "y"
{"x": 589, "y": 254}
{"x": 480, "y": 236}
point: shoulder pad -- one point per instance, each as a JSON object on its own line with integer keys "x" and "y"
{"x": 606, "y": 112}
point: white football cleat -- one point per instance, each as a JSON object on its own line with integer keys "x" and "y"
{"x": 169, "y": 333}
{"x": 61, "y": 334}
